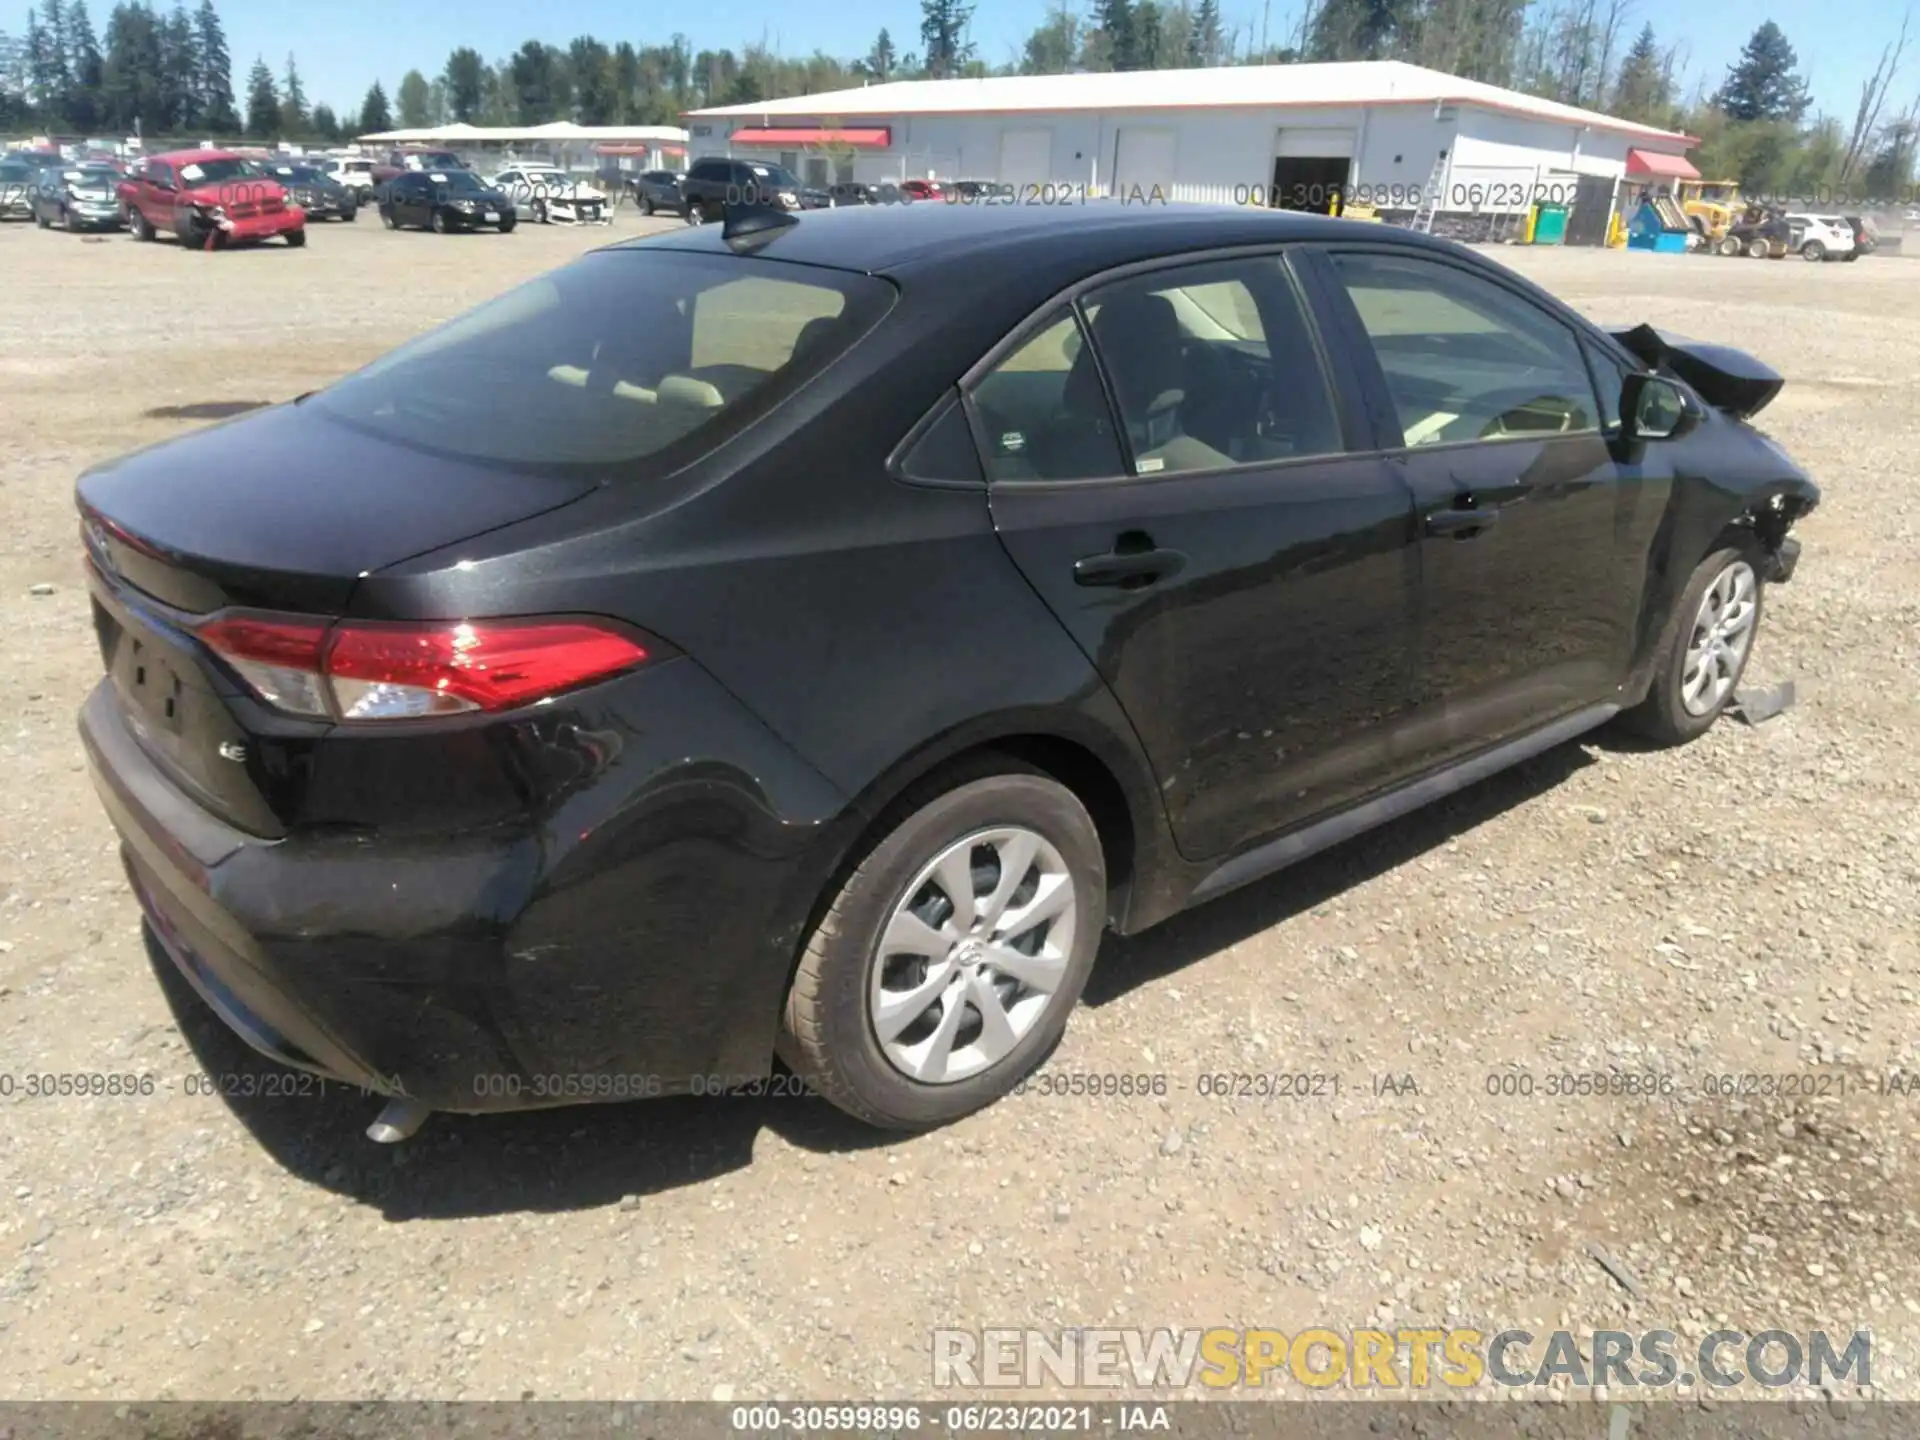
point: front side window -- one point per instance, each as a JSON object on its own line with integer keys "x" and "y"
{"x": 1213, "y": 366}
{"x": 620, "y": 356}
{"x": 1466, "y": 359}
{"x": 1042, "y": 412}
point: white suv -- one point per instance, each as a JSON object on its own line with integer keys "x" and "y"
{"x": 356, "y": 173}
{"x": 1821, "y": 237}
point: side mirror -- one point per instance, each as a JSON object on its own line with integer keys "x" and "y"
{"x": 1653, "y": 407}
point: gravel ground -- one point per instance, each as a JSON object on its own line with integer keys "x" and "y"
{"x": 1743, "y": 905}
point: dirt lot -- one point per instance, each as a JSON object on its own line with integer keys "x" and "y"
{"x": 1745, "y": 905}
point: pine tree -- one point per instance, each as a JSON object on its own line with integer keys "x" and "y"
{"x": 83, "y": 61}
{"x": 943, "y": 36}
{"x": 1119, "y": 26}
{"x": 1204, "y": 37}
{"x": 213, "y": 92}
{"x": 1642, "y": 91}
{"x": 180, "y": 71}
{"x": 374, "y": 114}
{"x": 412, "y": 96}
{"x": 133, "y": 96}
{"x": 293, "y": 101}
{"x": 57, "y": 81}
{"x": 1764, "y": 83}
{"x": 325, "y": 123}
{"x": 263, "y": 103}
{"x": 466, "y": 78}
{"x": 881, "y": 61}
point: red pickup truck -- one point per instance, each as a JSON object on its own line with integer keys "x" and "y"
{"x": 208, "y": 198}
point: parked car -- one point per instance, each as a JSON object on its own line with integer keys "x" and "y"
{"x": 208, "y": 198}
{"x": 544, "y": 194}
{"x": 1820, "y": 237}
{"x": 922, "y": 189}
{"x": 657, "y": 190}
{"x": 1866, "y": 236}
{"x": 970, "y": 191}
{"x": 444, "y": 201}
{"x": 77, "y": 197}
{"x": 780, "y": 637}
{"x": 715, "y": 182}
{"x": 355, "y": 173}
{"x": 17, "y": 179}
{"x": 316, "y": 192}
{"x": 412, "y": 159}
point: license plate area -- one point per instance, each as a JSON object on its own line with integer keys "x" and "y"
{"x": 159, "y": 687}
{"x": 491, "y": 216}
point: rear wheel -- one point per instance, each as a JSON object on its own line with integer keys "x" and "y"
{"x": 1729, "y": 245}
{"x": 137, "y": 223}
{"x": 386, "y": 219}
{"x": 539, "y": 212}
{"x": 695, "y": 216}
{"x": 948, "y": 962}
{"x": 1703, "y": 650}
{"x": 1757, "y": 249}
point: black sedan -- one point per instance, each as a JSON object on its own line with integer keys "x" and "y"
{"x": 805, "y": 635}
{"x": 445, "y": 200}
{"x": 316, "y": 192}
{"x": 76, "y": 197}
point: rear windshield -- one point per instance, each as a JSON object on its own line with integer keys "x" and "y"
{"x": 620, "y": 356}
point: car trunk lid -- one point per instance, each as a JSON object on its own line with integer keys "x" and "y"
{"x": 282, "y": 511}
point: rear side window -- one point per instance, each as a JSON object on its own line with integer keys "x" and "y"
{"x": 1043, "y": 413}
{"x": 621, "y": 356}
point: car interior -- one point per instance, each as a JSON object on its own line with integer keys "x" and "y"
{"x": 1194, "y": 371}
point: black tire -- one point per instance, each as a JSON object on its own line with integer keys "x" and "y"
{"x": 439, "y": 222}
{"x": 67, "y": 222}
{"x": 386, "y": 219}
{"x": 694, "y": 214}
{"x": 507, "y": 222}
{"x": 192, "y": 235}
{"x": 1663, "y": 716}
{"x": 826, "y": 1036}
{"x": 297, "y": 238}
{"x": 646, "y": 206}
{"x": 350, "y": 214}
{"x": 137, "y": 223}
{"x": 539, "y": 212}
{"x": 1851, "y": 256}
{"x": 1813, "y": 250}
{"x": 40, "y": 220}
{"x": 1758, "y": 250}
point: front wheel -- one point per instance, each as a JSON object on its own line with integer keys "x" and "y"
{"x": 507, "y": 222}
{"x": 40, "y": 220}
{"x": 439, "y": 222}
{"x": 945, "y": 967}
{"x": 1813, "y": 250}
{"x": 297, "y": 238}
{"x": 386, "y": 219}
{"x": 1703, "y": 650}
{"x": 137, "y": 223}
{"x": 646, "y": 206}
{"x": 350, "y": 214}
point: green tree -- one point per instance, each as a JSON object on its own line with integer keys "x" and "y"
{"x": 293, "y": 102}
{"x": 943, "y": 36}
{"x": 590, "y": 64}
{"x": 263, "y": 102}
{"x": 1054, "y": 48}
{"x": 1643, "y": 90}
{"x": 213, "y": 92}
{"x": 413, "y": 98}
{"x": 133, "y": 89}
{"x": 55, "y": 78}
{"x": 881, "y": 61}
{"x": 1116, "y": 44}
{"x": 466, "y": 77}
{"x": 1764, "y": 83}
{"x": 374, "y": 114}
{"x": 325, "y": 123}
{"x": 1205, "y": 42}
{"x": 536, "y": 83}
{"x": 84, "y": 63}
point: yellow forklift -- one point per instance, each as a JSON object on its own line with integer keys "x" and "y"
{"x": 1711, "y": 206}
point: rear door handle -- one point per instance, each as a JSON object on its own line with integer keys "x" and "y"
{"x": 1461, "y": 524}
{"x": 1127, "y": 568}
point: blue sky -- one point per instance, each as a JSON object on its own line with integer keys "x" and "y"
{"x": 345, "y": 44}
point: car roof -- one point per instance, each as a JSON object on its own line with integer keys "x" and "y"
{"x": 190, "y": 157}
{"x": 884, "y": 239}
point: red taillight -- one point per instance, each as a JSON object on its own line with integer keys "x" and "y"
{"x": 378, "y": 671}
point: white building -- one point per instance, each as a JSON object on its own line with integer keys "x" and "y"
{"x": 1379, "y": 132}
{"x": 575, "y": 147}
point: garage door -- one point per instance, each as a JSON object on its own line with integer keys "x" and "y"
{"x": 1026, "y": 157}
{"x": 1328, "y": 144}
{"x": 1143, "y": 161}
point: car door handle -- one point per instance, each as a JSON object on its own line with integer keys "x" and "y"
{"x": 1461, "y": 524}
{"x": 1127, "y": 567}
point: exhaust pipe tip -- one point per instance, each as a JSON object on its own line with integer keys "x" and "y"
{"x": 398, "y": 1121}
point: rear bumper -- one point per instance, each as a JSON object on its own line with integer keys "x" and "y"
{"x": 637, "y": 943}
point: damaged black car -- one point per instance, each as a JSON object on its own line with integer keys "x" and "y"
{"x": 796, "y": 640}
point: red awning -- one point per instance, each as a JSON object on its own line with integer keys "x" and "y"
{"x": 1665, "y": 167}
{"x": 875, "y": 138}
